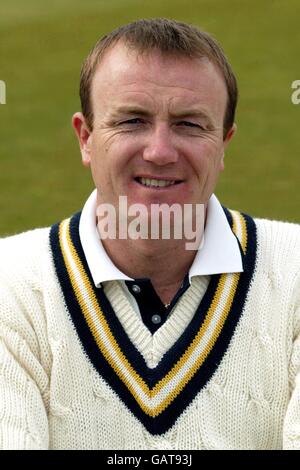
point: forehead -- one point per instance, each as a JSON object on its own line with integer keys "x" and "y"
{"x": 126, "y": 72}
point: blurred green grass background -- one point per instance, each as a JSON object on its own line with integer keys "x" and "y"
{"x": 42, "y": 46}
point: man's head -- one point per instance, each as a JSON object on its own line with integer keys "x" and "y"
{"x": 171, "y": 38}
{"x": 156, "y": 114}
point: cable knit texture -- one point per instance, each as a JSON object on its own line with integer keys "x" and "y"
{"x": 52, "y": 396}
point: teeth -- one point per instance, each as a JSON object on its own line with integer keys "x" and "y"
{"x": 155, "y": 183}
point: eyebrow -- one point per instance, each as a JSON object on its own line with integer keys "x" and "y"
{"x": 131, "y": 110}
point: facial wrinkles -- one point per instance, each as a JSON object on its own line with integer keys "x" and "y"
{"x": 169, "y": 108}
{"x": 161, "y": 101}
{"x": 208, "y": 90}
{"x": 130, "y": 69}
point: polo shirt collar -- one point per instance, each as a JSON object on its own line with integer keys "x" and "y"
{"x": 220, "y": 252}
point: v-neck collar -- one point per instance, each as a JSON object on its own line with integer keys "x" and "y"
{"x": 156, "y": 396}
{"x": 153, "y": 346}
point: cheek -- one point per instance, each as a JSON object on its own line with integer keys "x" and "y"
{"x": 206, "y": 157}
{"x": 127, "y": 144}
{"x": 123, "y": 155}
{"x": 110, "y": 160}
{"x": 99, "y": 166}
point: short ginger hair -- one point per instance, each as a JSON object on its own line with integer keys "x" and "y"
{"x": 171, "y": 38}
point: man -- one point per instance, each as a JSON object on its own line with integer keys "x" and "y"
{"x": 139, "y": 342}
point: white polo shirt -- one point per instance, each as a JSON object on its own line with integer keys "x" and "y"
{"x": 219, "y": 254}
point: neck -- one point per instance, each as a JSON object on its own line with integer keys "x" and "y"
{"x": 164, "y": 262}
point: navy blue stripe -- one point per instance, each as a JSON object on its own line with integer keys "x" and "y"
{"x": 150, "y": 376}
{"x": 167, "y": 418}
{"x": 230, "y": 221}
{"x": 209, "y": 367}
{"x": 228, "y": 216}
{"x": 84, "y": 333}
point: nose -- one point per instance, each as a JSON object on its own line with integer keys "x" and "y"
{"x": 160, "y": 148}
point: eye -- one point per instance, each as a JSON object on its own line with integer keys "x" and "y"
{"x": 189, "y": 124}
{"x": 132, "y": 121}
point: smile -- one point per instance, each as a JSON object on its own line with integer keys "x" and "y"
{"x": 156, "y": 183}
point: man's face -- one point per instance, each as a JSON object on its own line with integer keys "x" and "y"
{"x": 158, "y": 128}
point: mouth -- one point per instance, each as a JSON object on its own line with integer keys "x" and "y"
{"x": 156, "y": 183}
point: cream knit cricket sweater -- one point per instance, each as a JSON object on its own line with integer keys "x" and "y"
{"x": 79, "y": 369}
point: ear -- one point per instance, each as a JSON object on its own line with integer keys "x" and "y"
{"x": 226, "y": 141}
{"x": 84, "y": 137}
{"x": 230, "y": 134}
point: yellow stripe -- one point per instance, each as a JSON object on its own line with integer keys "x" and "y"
{"x": 244, "y": 237}
{"x": 192, "y": 371}
{"x": 205, "y": 325}
{"x": 100, "y": 315}
{"x": 150, "y": 393}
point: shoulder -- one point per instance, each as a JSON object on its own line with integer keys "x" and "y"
{"x": 278, "y": 252}
{"x": 25, "y": 244}
{"x": 278, "y": 226}
{"x": 27, "y": 238}
{"x": 26, "y": 272}
{"x": 280, "y": 238}
{"x": 25, "y": 265}
{"x": 22, "y": 255}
